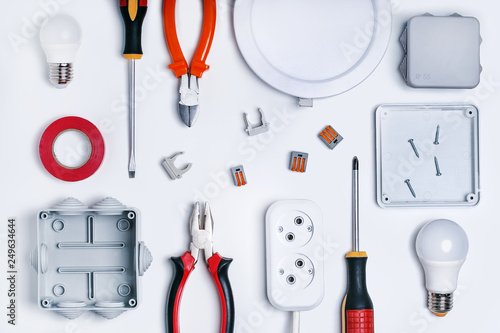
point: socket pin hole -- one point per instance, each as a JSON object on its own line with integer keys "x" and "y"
{"x": 299, "y": 263}
{"x": 299, "y": 220}
{"x": 290, "y": 279}
{"x": 290, "y": 237}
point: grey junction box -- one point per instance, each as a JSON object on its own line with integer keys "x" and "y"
{"x": 441, "y": 52}
{"x": 89, "y": 259}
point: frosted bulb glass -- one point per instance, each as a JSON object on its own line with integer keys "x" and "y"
{"x": 61, "y": 29}
{"x": 61, "y": 37}
{"x": 442, "y": 247}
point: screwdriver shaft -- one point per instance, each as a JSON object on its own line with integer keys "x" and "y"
{"x": 357, "y": 308}
{"x": 355, "y": 206}
{"x": 133, "y": 13}
{"x": 131, "y": 164}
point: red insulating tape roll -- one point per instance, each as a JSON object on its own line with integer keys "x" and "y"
{"x": 47, "y": 149}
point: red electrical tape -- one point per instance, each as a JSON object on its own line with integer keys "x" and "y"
{"x": 47, "y": 154}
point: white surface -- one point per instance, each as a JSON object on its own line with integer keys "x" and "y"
{"x": 67, "y": 143}
{"x": 314, "y": 48}
{"x": 442, "y": 247}
{"x": 217, "y": 141}
{"x": 288, "y": 242}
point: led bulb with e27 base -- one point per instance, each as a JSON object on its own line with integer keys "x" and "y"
{"x": 442, "y": 247}
{"x": 61, "y": 37}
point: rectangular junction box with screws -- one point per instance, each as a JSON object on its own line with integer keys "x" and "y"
{"x": 446, "y": 170}
{"x": 294, "y": 228}
{"x": 89, "y": 259}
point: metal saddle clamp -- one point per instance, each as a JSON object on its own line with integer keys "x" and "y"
{"x": 257, "y": 128}
{"x": 172, "y": 170}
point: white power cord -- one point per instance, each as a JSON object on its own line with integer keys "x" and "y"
{"x": 296, "y": 322}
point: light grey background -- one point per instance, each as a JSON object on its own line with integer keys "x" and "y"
{"x": 218, "y": 141}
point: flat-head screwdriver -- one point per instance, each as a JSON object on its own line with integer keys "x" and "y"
{"x": 357, "y": 308}
{"x": 133, "y": 13}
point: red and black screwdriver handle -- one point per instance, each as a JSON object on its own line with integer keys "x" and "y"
{"x": 183, "y": 266}
{"x": 133, "y": 13}
{"x": 357, "y": 308}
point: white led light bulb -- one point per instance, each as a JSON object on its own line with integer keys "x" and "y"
{"x": 442, "y": 246}
{"x": 61, "y": 39}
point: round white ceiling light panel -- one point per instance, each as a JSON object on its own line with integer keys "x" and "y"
{"x": 313, "y": 48}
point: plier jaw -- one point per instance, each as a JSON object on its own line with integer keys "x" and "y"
{"x": 189, "y": 99}
{"x": 189, "y": 74}
{"x": 201, "y": 233}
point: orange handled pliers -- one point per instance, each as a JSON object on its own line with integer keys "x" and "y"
{"x": 189, "y": 90}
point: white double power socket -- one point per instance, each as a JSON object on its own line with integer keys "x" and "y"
{"x": 294, "y": 252}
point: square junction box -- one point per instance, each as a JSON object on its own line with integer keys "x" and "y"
{"x": 89, "y": 259}
{"x": 427, "y": 155}
{"x": 441, "y": 52}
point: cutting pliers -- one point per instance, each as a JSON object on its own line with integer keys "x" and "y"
{"x": 201, "y": 240}
{"x": 189, "y": 89}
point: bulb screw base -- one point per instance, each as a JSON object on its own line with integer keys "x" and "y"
{"x": 440, "y": 304}
{"x": 60, "y": 74}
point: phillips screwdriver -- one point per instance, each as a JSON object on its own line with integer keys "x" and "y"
{"x": 357, "y": 308}
{"x": 133, "y": 13}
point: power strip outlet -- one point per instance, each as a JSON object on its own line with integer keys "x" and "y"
{"x": 294, "y": 253}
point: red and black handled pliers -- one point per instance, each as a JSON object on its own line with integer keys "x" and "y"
{"x": 189, "y": 89}
{"x": 201, "y": 240}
